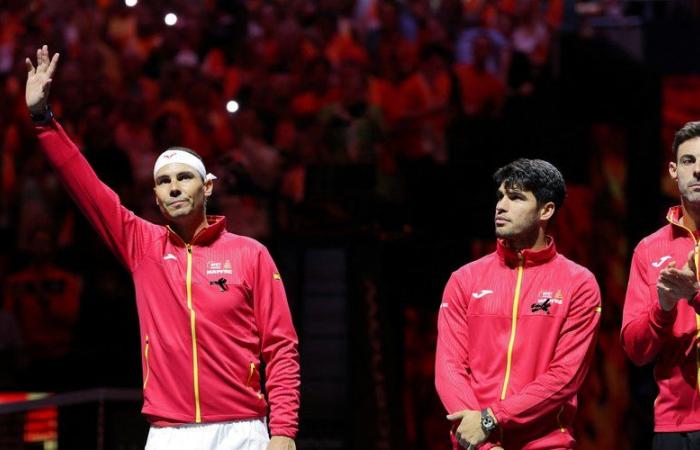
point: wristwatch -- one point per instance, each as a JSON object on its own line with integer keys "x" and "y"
{"x": 488, "y": 424}
{"x": 43, "y": 117}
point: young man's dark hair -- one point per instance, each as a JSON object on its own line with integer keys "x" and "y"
{"x": 534, "y": 175}
{"x": 690, "y": 130}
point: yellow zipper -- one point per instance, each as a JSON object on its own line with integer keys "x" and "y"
{"x": 561, "y": 427}
{"x": 195, "y": 370}
{"x": 696, "y": 259}
{"x": 251, "y": 372}
{"x": 514, "y": 322}
{"x": 148, "y": 367}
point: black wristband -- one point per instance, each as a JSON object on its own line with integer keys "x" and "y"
{"x": 42, "y": 118}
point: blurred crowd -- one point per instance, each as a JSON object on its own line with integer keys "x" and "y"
{"x": 307, "y": 111}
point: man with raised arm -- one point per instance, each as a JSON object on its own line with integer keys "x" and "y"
{"x": 211, "y": 304}
{"x": 517, "y": 328}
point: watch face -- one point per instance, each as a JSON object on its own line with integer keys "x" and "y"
{"x": 487, "y": 423}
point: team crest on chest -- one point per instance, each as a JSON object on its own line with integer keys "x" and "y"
{"x": 546, "y": 300}
{"x": 218, "y": 268}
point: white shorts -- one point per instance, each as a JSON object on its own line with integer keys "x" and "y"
{"x": 238, "y": 435}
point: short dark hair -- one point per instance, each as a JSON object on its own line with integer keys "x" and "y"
{"x": 690, "y": 130}
{"x": 534, "y": 175}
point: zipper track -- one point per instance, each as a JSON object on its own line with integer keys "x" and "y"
{"x": 696, "y": 259}
{"x": 514, "y": 323}
{"x": 193, "y": 329}
{"x": 148, "y": 366}
{"x": 251, "y": 372}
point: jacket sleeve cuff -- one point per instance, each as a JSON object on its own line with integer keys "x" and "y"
{"x": 661, "y": 319}
{"x": 499, "y": 412}
{"x": 291, "y": 433}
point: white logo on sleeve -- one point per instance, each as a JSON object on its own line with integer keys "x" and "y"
{"x": 444, "y": 305}
{"x": 170, "y": 256}
{"x": 661, "y": 260}
{"x": 482, "y": 293}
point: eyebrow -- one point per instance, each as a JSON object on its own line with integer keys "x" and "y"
{"x": 184, "y": 172}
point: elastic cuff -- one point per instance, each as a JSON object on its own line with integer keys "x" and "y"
{"x": 283, "y": 432}
{"x": 661, "y": 318}
{"x": 502, "y": 417}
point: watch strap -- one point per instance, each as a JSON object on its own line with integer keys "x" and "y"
{"x": 42, "y": 118}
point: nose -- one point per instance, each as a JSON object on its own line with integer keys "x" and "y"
{"x": 696, "y": 170}
{"x": 502, "y": 205}
{"x": 174, "y": 189}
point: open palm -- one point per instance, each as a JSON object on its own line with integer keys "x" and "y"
{"x": 39, "y": 79}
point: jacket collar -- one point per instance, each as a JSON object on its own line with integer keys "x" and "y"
{"x": 528, "y": 257}
{"x": 674, "y": 216}
{"x": 215, "y": 226}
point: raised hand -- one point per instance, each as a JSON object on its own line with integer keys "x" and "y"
{"x": 675, "y": 284}
{"x": 39, "y": 80}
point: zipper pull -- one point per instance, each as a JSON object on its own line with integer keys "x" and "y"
{"x": 250, "y": 374}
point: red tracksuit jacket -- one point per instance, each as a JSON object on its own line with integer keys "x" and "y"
{"x": 516, "y": 333}
{"x": 669, "y": 339}
{"x": 201, "y": 340}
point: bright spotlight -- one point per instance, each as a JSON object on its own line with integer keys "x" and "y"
{"x": 130, "y": 3}
{"x": 170, "y": 19}
{"x": 232, "y": 106}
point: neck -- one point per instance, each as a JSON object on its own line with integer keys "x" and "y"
{"x": 187, "y": 228}
{"x": 691, "y": 214}
{"x": 534, "y": 241}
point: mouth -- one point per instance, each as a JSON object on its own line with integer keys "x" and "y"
{"x": 500, "y": 221}
{"x": 177, "y": 203}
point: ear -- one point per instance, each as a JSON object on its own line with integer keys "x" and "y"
{"x": 208, "y": 188}
{"x": 156, "y": 196}
{"x": 547, "y": 211}
{"x": 673, "y": 170}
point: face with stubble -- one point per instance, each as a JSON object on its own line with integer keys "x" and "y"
{"x": 686, "y": 171}
{"x": 180, "y": 191}
{"x": 517, "y": 213}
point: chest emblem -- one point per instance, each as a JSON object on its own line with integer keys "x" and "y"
{"x": 221, "y": 282}
{"x": 218, "y": 268}
{"x": 547, "y": 300}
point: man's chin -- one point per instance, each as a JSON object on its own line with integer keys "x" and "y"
{"x": 502, "y": 233}
{"x": 692, "y": 198}
{"x": 176, "y": 215}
